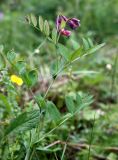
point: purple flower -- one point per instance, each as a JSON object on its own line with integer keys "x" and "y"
{"x": 62, "y": 22}
{"x": 60, "y": 19}
{"x": 1, "y": 16}
{"x": 73, "y": 23}
{"x": 65, "y": 32}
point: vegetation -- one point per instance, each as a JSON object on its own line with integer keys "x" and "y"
{"x": 58, "y": 80}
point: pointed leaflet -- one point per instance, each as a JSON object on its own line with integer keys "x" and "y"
{"x": 78, "y": 100}
{"x": 32, "y": 77}
{"x": 41, "y": 23}
{"x": 83, "y": 101}
{"x": 64, "y": 51}
{"x": 28, "y": 19}
{"x": 2, "y": 62}
{"x": 54, "y": 35}
{"x": 70, "y": 104}
{"x": 24, "y": 122}
{"x": 11, "y": 56}
{"x": 5, "y": 101}
{"x": 85, "y": 44}
{"x": 90, "y": 42}
{"x": 95, "y": 48}
{"x": 52, "y": 111}
{"x": 34, "y": 20}
{"x": 76, "y": 54}
{"x": 20, "y": 66}
{"x": 40, "y": 100}
{"x": 46, "y": 28}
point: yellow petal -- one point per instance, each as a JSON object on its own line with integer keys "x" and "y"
{"x": 13, "y": 78}
{"x": 17, "y": 80}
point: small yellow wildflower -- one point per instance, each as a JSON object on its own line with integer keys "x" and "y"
{"x": 16, "y": 79}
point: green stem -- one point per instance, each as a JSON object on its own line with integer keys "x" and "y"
{"x": 114, "y": 75}
{"x": 91, "y": 138}
{"x": 32, "y": 154}
{"x": 53, "y": 129}
{"x": 28, "y": 154}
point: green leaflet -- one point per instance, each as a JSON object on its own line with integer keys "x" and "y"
{"x": 24, "y": 122}
{"x": 41, "y": 23}
{"x": 52, "y": 111}
{"x": 46, "y": 28}
{"x": 5, "y": 101}
{"x": 11, "y": 56}
{"x": 2, "y": 62}
{"x": 33, "y": 20}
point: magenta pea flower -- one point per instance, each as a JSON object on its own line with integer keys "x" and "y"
{"x": 63, "y": 21}
{"x": 74, "y": 23}
{"x": 65, "y": 32}
{"x": 60, "y": 25}
{"x": 60, "y": 21}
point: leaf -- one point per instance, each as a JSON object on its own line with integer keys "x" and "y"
{"x": 52, "y": 111}
{"x": 86, "y": 101}
{"x": 75, "y": 44}
{"x": 11, "y": 56}
{"x": 54, "y": 35}
{"x": 21, "y": 67}
{"x": 54, "y": 68}
{"x": 2, "y": 62}
{"x": 28, "y": 19}
{"x": 1, "y": 48}
{"x": 76, "y": 53}
{"x": 70, "y": 104}
{"x": 78, "y": 100}
{"x": 94, "y": 49}
{"x": 112, "y": 156}
{"x": 64, "y": 51}
{"x": 85, "y": 44}
{"x": 34, "y": 20}
{"x": 24, "y": 122}
{"x": 46, "y": 28}
{"x": 41, "y": 23}
{"x": 33, "y": 77}
{"x": 4, "y": 100}
{"x": 40, "y": 100}
{"x": 90, "y": 42}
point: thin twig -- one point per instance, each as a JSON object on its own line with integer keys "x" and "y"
{"x": 114, "y": 75}
{"x": 82, "y": 146}
{"x": 91, "y": 138}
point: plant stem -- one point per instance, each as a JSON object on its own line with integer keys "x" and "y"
{"x": 28, "y": 154}
{"x": 91, "y": 137}
{"x": 32, "y": 153}
{"x": 63, "y": 151}
{"x": 53, "y": 129}
{"x": 114, "y": 75}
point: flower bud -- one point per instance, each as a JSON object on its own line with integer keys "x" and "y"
{"x": 73, "y": 23}
{"x": 65, "y": 32}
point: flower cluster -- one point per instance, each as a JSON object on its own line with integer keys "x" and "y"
{"x": 63, "y": 21}
{"x": 17, "y": 80}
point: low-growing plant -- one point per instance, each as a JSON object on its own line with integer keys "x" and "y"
{"x": 28, "y": 119}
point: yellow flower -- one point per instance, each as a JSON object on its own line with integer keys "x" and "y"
{"x": 16, "y": 79}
